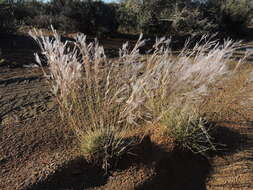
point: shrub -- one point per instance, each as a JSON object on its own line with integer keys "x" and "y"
{"x": 24, "y": 11}
{"x": 190, "y": 17}
{"x": 7, "y": 20}
{"x": 82, "y": 13}
{"x": 127, "y": 20}
{"x": 85, "y": 16}
{"x": 192, "y": 22}
{"x": 232, "y": 16}
{"x": 18, "y": 13}
{"x": 105, "y": 18}
{"x": 140, "y": 16}
{"x": 91, "y": 17}
{"x": 237, "y": 13}
{"x": 61, "y": 22}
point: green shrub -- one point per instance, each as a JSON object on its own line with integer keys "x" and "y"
{"x": 237, "y": 13}
{"x": 192, "y": 22}
{"x": 105, "y": 18}
{"x": 85, "y": 16}
{"x": 127, "y": 20}
{"x": 61, "y": 22}
{"x": 189, "y": 17}
{"x": 230, "y": 15}
{"x": 90, "y": 17}
{"x": 25, "y": 10}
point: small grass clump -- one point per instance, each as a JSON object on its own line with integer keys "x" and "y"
{"x": 101, "y": 98}
{"x": 188, "y": 129}
{"x": 105, "y": 146}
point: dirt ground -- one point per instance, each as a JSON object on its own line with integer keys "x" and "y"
{"x": 38, "y": 152}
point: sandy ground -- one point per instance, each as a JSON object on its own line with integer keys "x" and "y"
{"x": 38, "y": 152}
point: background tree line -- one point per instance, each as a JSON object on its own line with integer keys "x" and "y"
{"x": 154, "y": 17}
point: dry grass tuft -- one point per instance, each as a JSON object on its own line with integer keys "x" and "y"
{"x": 93, "y": 92}
{"x": 100, "y": 99}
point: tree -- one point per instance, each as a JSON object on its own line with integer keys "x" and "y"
{"x": 230, "y": 15}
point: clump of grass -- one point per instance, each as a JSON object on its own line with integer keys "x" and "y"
{"x": 106, "y": 146}
{"x": 170, "y": 84}
{"x": 100, "y": 98}
{"x": 93, "y": 92}
{"x": 188, "y": 129}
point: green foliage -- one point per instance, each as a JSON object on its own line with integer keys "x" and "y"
{"x": 134, "y": 16}
{"x": 192, "y": 22}
{"x": 45, "y": 21}
{"x": 105, "y": 17}
{"x": 104, "y": 146}
{"x": 190, "y": 17}
{"x": 230, "y": 15}
{"x": 90, "y": 17}
{"x": 154, "y": 17}
{"x": 78, "y": 11}
{"x": 237, "y": 13}
{"x": 188, "y": 129}
{"x": 68, "y": 15}
{"x": 127, "y": 20}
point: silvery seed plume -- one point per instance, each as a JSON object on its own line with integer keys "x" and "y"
{"x": 186, "y": 75}
{"x": 64, "y": 66}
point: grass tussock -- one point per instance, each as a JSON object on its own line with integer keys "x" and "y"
{"x": 106, "y": 146}
{"x": 104, "y": 100}
{"x": 188, "y": 129}
{"x": 94, "y": 94}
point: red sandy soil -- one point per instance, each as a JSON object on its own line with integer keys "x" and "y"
{"x": 38, "y": 151}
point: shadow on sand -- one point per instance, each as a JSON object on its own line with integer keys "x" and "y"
{"x": 175, "y": 170}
